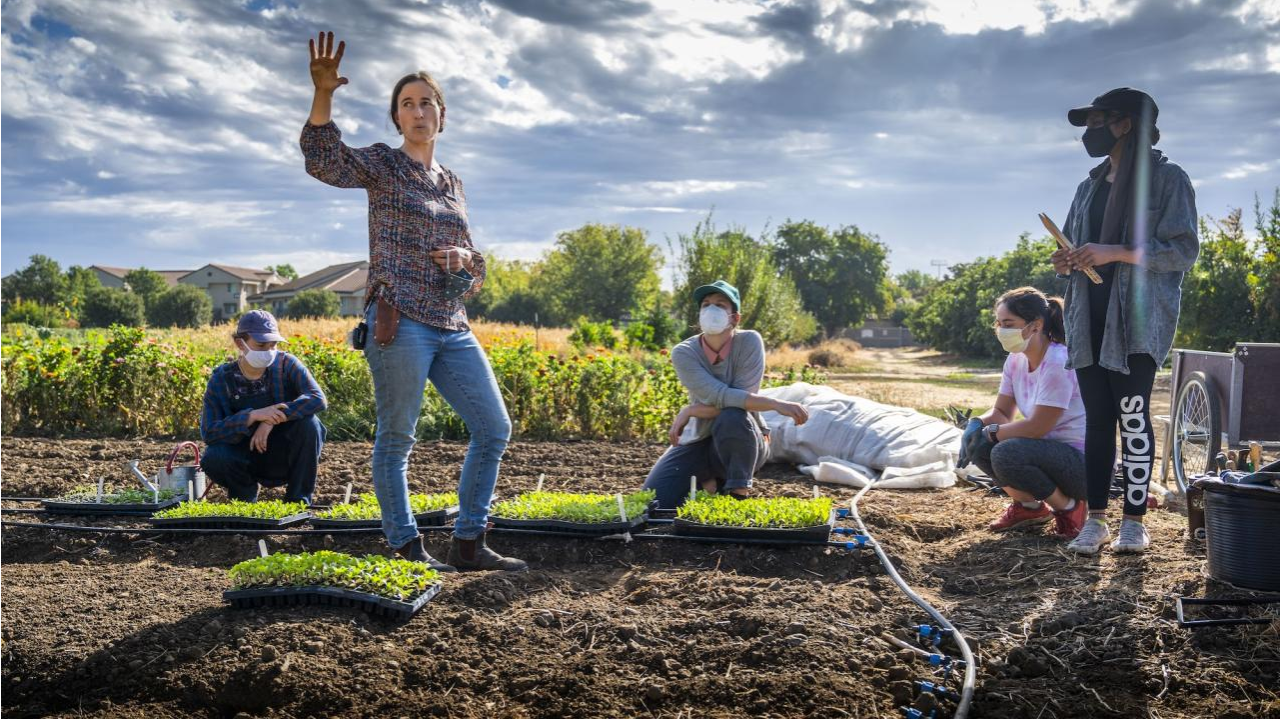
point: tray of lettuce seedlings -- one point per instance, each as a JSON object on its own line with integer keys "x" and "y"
{"x": 584, "y": 513}
{"x": 778, "y": 518}
{"x": 376, "y": 584}
{"x": 261, "y": 515}
{"x": 435, "y": 509}
{"x": 85, "y": 500}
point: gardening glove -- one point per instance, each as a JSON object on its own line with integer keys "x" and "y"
{"x": 980, "y": 449}
{"x": 971, "y": 428}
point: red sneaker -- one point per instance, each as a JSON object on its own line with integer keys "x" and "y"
{"x": 1015, "y": 516}
{"x": 1067, "y": 523}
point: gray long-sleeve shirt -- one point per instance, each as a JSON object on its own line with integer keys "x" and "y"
{"x": 725, "y": 384}
{"x": 1143, "y": 311}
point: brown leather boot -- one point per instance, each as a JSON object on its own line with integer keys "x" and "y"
{"x": 476, "y": 555}
{"x": 416, "y": 551}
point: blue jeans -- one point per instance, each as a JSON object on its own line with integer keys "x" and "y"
{"x": 731, "y": 456}
{"x": 291, "y": 459}
{"x": 456, "y": 364}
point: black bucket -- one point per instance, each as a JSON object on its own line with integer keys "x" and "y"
{"x": 1241, "y": 523}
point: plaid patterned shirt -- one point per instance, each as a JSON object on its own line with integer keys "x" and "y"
{"x": 289, "y": 381}
{"x": 409, "y": 216}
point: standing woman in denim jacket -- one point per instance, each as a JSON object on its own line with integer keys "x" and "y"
{"x": 1134, "y": 221}
{"x": 422, "y": 265}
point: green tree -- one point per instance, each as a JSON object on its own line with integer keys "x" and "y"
{"x": 840, "y": 275}
{"x": 80, "y": 280}
{"x": 1217, "y": 307}
{"x": 599, "y": 271}
{"x": 184, "y": 306}
{"x": 508, "y": 293}
{"x": 105, "y": 306}
{"x": 915, "y": 283}
{"x": 284, "y": 270}
{"x": 146, "y": 284}
{"x": 770, "y": 303}
{"x": 314, "y": 303}
{"x": 41, "y": 281}
{"x": 956, "y": 314}
{"x": 1266, "y": 285}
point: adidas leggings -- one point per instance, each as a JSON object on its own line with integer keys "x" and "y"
{"x": 1111, "y": 399}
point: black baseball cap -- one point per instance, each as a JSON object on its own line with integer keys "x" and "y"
{"x": 1123, "y": 100}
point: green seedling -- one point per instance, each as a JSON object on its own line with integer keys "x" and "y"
{"x": 366, "y": 507}
{"x": 779, "y": 512}
{"x": 573, "y": 507}
{"x": 261, "y": 510}
{"x": 89, "y": 494}
{"x": 390, "y": 578}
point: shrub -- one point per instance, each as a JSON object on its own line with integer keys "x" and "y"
{"x": 314, "y": 303}
{"x": 587, "y": 334}
{"x": 834, "y": 353}
{"x": 30, "y": 312}
{"x": 185, "y": 306}
{"x": 104, "y": 307}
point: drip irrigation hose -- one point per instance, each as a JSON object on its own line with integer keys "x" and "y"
{"x": 970, "y": 672}
{"x": 424, "y": 529}
{"x": 20, "y": 499}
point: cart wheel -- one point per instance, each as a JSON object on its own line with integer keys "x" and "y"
{"x": 1197, "y": 429}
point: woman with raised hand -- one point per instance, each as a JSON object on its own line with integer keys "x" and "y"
{"x": 422, "y": 265}
{"x": 1134, "y": 221}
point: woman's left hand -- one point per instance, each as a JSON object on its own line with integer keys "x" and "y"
{"x": 452, "y": 259}
{"x": 1094, "y": 254}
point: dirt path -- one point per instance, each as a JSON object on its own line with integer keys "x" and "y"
{"x": 134, "y": 625}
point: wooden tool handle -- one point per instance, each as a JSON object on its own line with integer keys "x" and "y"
{"x": 1065, "y": 244}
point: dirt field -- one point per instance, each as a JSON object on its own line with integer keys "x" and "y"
{"x": 134, "y": 625}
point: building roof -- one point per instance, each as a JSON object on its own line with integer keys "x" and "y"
{"x": 170, "y": 276}
{"x": 343, "y": 278}
{"x": 244, "y": 273}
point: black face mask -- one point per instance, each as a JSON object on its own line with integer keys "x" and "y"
{"x": 1098, "y": 141}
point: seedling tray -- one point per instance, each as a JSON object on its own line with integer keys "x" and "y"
{"x": 247, "y": 523}
{"x": 435, "y": 518}
{"x": 566, "y": 526}
{"x": 96, "y": 508}
{"x": 812, "y": 533}
{"x": 331, "y": 596}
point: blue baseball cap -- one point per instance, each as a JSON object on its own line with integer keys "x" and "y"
{"x": 259, "y": 325}
{"x": 721, "y": 287}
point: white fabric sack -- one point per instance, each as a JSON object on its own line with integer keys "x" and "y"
{"x": 919, "y": 448}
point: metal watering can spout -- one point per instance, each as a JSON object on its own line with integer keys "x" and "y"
{"x": 132, "y": 465}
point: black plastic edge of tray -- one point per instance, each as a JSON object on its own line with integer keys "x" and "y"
{"x": 435, "y": 518}
{"x": 73, "y": 508}
{"x": 332, "y": 596}
{"x": 216, "y": 522}
{"x": 573, "y": 527}
{"x": 815, "y": 533}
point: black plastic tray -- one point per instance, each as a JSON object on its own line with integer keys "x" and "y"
{"x": 813, "y": 533}
{"x": 331, "y": 596}
{"x": 95, "y": 508}
{"x": 571, "y": 527}
{"x": 435, "y": 518}
{"x": 214, "y": 523}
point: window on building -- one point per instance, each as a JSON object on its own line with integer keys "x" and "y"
{"x": 229, "y": 309}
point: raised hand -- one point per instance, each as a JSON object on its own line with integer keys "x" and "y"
{"x": 324, "y": 63}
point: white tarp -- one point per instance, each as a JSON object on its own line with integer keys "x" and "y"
{"x": 848, "y": 439}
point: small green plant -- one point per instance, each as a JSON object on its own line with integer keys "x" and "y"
{"x": 391, "y": 578}
{"x": 779, "y": 512}
{"x": 262, "y": 510}
{"x": 131, "y": 496}
{"x": 366, "y": 507}
{"x": 573, "y": 507}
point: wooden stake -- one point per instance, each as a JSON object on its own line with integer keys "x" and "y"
{"x": 1065, "y": 244}
{"x": 346, "y": 498}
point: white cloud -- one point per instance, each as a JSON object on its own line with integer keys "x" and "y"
{"x": 679, "y": 188}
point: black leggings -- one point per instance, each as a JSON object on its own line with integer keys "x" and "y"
{"x": 1112, "y": 398}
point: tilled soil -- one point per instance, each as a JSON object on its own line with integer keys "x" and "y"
{"x": 134, "y": 624}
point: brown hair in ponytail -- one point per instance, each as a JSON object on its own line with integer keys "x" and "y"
{"x": 1030, "y": 304}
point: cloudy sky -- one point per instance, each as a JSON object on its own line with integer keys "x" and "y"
{"x": 165, "y": 133}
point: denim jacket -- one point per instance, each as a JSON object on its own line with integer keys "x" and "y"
{"x": 1143, "y": 312}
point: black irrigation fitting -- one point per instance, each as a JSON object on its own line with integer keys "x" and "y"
{"x": 970, "y": 672}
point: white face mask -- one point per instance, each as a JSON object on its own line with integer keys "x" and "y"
{"x": 1011, "y": 339}
{"x": 258, "y": 358}
{"x": 713, "y": 319}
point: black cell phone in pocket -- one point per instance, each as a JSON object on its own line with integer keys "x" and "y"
{"x": 359, "y": 335}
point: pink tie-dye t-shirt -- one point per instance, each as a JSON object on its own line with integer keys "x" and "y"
{"x": 1051, "y": 384}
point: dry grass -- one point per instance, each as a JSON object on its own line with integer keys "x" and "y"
{"x": 213, "y": 338}
{"x": 840, "y": 353}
